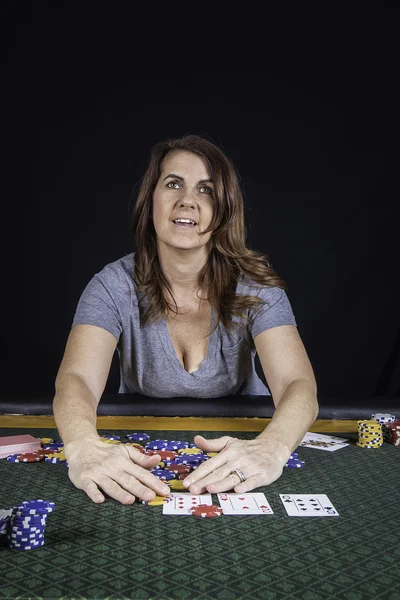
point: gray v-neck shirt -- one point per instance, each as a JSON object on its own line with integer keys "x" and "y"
{"x": 148, "y": 361}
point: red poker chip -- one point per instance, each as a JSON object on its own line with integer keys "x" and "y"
{"x": 182, "y": 476}
{"x": 165, "y": 454}
{"x": 29, "y": 457}
{"x": 206, "y": 511}
{"x": 43, "y": 453}
{"x": 178, "y": 468}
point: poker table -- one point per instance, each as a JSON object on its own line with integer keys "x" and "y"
{"x": 119, "y": 551}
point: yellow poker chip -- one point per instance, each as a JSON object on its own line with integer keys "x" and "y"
{"x": 134, "y": 444}
{"x": 211, "y": 454}
{"x": 176, "y": 484}
{"x": 158, "y": 501}
{"x": 45, "y": 441}
{"x": 57, "y": 455}
{"x": 190, "y": 451}
{"x": 107, "y": 441}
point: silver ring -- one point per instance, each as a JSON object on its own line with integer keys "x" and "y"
{"x": 239, "y": 474}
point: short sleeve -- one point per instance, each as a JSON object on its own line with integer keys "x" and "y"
{"x": 276, "y": 312}
{"x": 97, "y": 307}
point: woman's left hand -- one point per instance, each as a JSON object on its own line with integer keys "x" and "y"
{"x": 257, "y": 459}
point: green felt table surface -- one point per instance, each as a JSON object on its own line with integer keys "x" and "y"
{"x": 118, "y": 551}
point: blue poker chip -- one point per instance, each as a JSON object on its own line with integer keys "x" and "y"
{"x": 34, "y": 522}
{"x": 55, "y": 446}
{"x": 295, "y": 463}
{"x": 187, "y": 459}
{"x": 33, "y": 507}
{"x": 177, "y": 445}
{"x": 26, "y": 546}
{"x": 157, "y": 445}
{"x": 21, "y": 522}
{"x": 37, "y": 503}
{"x": 138, "y": 437}
{"x": 26, "y": 536}
{"x": 161, "y": 474}
{"x": 109, "y": 436}
{"x": 13, "y": 458}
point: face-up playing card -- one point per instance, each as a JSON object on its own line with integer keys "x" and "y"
{"x": 321, "y": 441}
{"x": 181, "y": 504}
{"x": 308, "y": 505}
{"x": 245, "y": 504}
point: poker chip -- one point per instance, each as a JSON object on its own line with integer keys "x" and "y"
{"x": 177, "y": 445}
{"x": 206, "y": 511}
{"x": 157, "y": 445}
{"x": 36, "y": 506}
{"x": 176, "y": 485}
{"x": 13, "y": 458}
{"x": 30, "y": 457}
{"x": 45, "y": 441}
{"x": 187, "y": 459}
{"x": 294, "y": 463}
{"x": 138, "y": 437}
{"x": 107, "y": 440}
{"x": 56, "y": 447}
{"x": 175, "y": 468}
{"x": 161, "y": 474}
{"x": 164, "y": 454}
{"x": 157, "y": 501}
{"x": 137, "y": 446}
{"x": 190, "y": 451}
{"x": 110, "y": 437}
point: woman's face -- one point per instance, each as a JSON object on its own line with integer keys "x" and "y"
{"x": 184, "y": 189}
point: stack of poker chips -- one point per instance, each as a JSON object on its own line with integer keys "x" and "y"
{"x": 369, "y": 434}
{"x": 390, "y": 427}
{"x": 27, "y": 523}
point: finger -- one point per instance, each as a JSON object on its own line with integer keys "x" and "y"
{"x": 91, "y": 489}
{"x": 142, "y": 483}
{"x": 210, "y": 466}
{"x": 114, "y": 490}
{"x": 212, "y": 445}
{"x": 141, "y": 459}
{"x": 215, "y": 477}
{"x": 250, "y": 484}
{"x": 223, "y": 485}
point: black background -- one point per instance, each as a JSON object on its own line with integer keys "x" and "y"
{"x": 304, "y": 105}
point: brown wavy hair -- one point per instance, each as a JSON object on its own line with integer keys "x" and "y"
{"x": 229, "y": 259}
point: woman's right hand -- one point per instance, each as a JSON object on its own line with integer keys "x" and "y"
{"x": 118, "y": 470}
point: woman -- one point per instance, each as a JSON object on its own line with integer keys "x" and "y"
{"x": 188, "y": 310}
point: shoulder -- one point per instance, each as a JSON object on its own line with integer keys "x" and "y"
{"x": 119, "y": 271}
{"x": 269, "y": 294}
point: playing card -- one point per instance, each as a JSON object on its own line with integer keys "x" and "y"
{"x": 308, "y": 505}
{"x": 321, "y": 441}
{"x": 245, "y": 504}
{"x": 181, "y": 503}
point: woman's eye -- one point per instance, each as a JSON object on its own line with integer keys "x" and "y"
{"x": 175, "y": 185}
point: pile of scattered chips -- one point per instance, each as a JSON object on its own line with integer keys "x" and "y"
{"x": 369, "y": 434}
{"x": 51, "y": 452}
{"x": 390, "y": 427}
{"x": 26, "y": 525}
